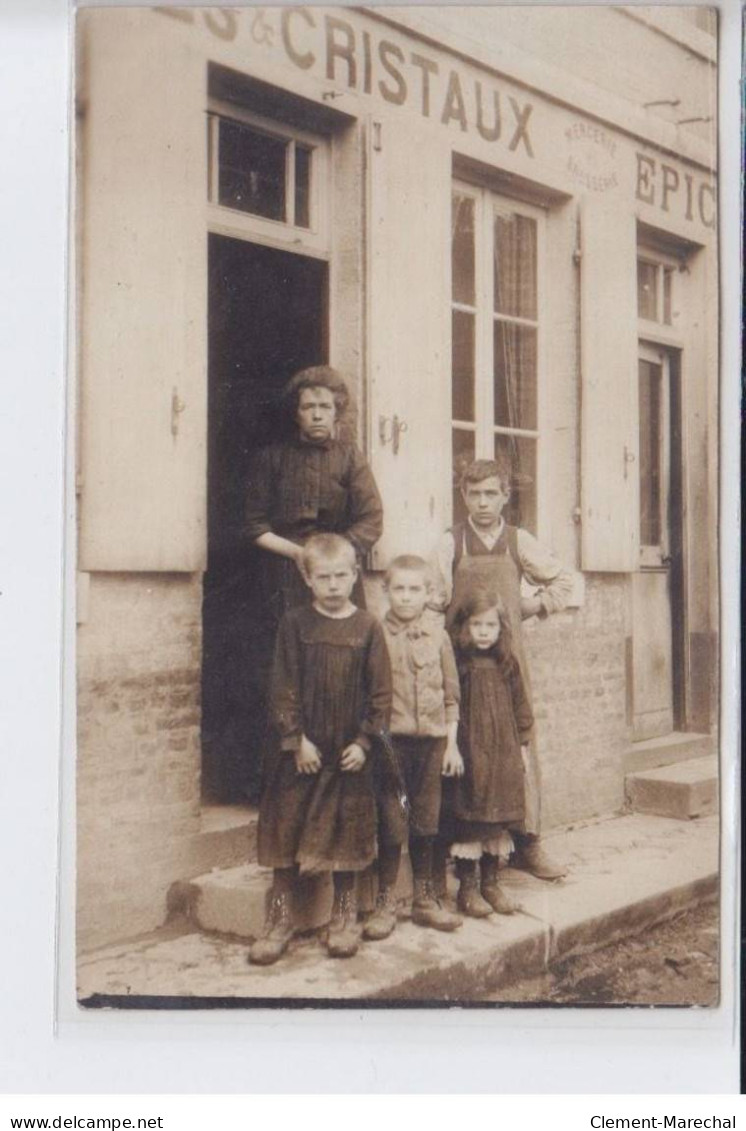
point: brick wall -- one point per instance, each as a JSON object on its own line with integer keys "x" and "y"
{"x": 138, "y": 749}
{"x": 577, "y": 661}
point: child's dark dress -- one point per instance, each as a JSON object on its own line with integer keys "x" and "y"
{"x": 331, "y": 681}
{"x": 496, "y": 719}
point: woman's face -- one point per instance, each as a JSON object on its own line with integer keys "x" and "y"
{"x": 316, "y": 415}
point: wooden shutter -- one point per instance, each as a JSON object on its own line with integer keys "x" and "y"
{"x": 142, "y": 282}
{"x": 609, "y": 441}
{"x": 409, "y": 240}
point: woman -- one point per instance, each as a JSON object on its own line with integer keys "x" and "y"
{"x": 311, "y": 483}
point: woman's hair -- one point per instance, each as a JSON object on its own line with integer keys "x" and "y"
{"x": 316, "y": 377}
{"x": 327, "y": 547}
{"x": 481, "y": 600}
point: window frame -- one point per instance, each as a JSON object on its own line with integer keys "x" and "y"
{"x": 666, "y": 332}
{"x": 654, "y": 555}
{"x": 487, "y": 203}
{"x": 224, "y": 220}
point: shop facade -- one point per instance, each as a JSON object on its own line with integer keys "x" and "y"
{"x": 504, "y": 234}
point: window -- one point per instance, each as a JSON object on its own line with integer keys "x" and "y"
{"x": 265, "y": 179}
{"x": 654, "y": 380}
{"x": 655, "y": 285}
{"x": 495, "y": 341}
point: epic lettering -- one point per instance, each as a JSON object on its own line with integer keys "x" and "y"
{"x": 667, "y": 188}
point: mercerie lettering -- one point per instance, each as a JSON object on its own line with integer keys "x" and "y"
{"x": 660, "y": 185}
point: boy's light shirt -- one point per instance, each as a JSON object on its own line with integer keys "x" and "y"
{"x": 539, "y": 565}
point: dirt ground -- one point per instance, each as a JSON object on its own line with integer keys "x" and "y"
{"x": 675, "y": 963}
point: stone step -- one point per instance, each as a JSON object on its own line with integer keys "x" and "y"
{"x": 232, "y": 901}
{"x": 688, "y": 789}
{"x": 624, "y": 875}
{"x": 680, "y": 746}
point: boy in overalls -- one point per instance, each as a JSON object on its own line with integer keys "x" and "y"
{"x": 485, "y": 552}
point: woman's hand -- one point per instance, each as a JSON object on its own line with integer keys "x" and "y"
{"x": 307, "y": 757}
{"x": 353, "y": 759}
{"x": 453, "y": 763}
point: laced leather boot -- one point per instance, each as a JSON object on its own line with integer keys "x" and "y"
{"x": 277, "y": 933}
{"x": 427, "y": 910}
{"x": 343, "y": 938}
{"x": 497, "y": 898}
{"x": 469, "y": 899}
{"x": 382, "y": 921}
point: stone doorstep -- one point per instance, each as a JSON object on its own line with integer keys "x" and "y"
{"x": 688, "y": 789}
{"x": 667, "y": 750}
{"x": 625, "y": 874}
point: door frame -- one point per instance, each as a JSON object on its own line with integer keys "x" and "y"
{"x": 675, "y": 517}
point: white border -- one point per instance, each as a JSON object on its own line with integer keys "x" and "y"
{"x": 531, "y": 1051}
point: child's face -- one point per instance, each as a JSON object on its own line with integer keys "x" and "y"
{"x": 485, "y": 500}
{"x": 316, "y": 414}
{"x": 484, "y": 629}
{"x": 408, "y": 591}
{"x": 331, "y": 581}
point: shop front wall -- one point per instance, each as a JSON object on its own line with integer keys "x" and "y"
{"x": 404, "y": 120}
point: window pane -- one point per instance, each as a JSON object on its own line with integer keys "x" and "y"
{"x": 462, "y": 355}
{"x": 515, "y": 265}
{"x": 515, "y": 375}
{"x": 521, "y": 452}
{"x": 252, "y": 171}
{"x": 647, "y": 290}
{"x": 462, "y": 249}
{"x": 463, "y": 455}
{"x": 650, "y": 453}
{"x": 667, "y": 294}
{"x": 302, "y": 186}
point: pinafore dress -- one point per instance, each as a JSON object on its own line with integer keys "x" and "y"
{"x": 476, "y": 566}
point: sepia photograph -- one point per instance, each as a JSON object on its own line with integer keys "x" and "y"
{"x": 395, "y": 370}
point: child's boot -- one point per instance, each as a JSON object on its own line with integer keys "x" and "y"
{"x": 344, "y": 934}
{"x": 278, "y": 927}
{"x": 531, "y": 857}
{"x": 497, "y": 898}
{"x": 469, "y": 898}
{"x": 427, "y": 910}
{"x": 440, "y": 861}
{"x": 383, "y": 919}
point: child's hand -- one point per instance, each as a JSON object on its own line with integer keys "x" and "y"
{"x": 453, "y": 763}
{"x": 353, "y": 759}
{"x": 307, "y": 757}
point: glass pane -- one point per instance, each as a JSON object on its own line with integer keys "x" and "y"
{"x": 463, "y": 455}
{"x": 302, "y": 186}
{"x": 515, "y": 265}
{"x": 462, "y": 359}
{"x": 521, "y": 453}
{"x": 647, "y": 290}
{"x": 462, "y": 249}
{"x": 515, "y": 375}
{"x": 252, "y": 171}
{"x": 650, "y": 453}
{"x": 667, "y": 294}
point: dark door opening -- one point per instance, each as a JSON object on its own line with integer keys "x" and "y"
{"x": 267, "y": 319}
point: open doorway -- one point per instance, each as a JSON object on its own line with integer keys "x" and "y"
{"x": 267, "y": 319}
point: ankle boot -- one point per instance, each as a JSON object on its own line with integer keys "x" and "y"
{"x": 469, "y": 899}
{"x": 531, "y": 857}
{"x": 383, "y": 919}
{"x": 427, "y": 910}
{"x": 440, "y": 861}
{"x": 278, "y": 930}
{"x": 497, "y": 898}
{"x": 343, "y": 938}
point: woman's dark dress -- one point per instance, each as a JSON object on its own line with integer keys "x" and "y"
{"x": 331, "y": 681}
{"x": 496, "y": 719}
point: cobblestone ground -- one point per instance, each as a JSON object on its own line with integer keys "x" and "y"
{"x": 676, "y": 963}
